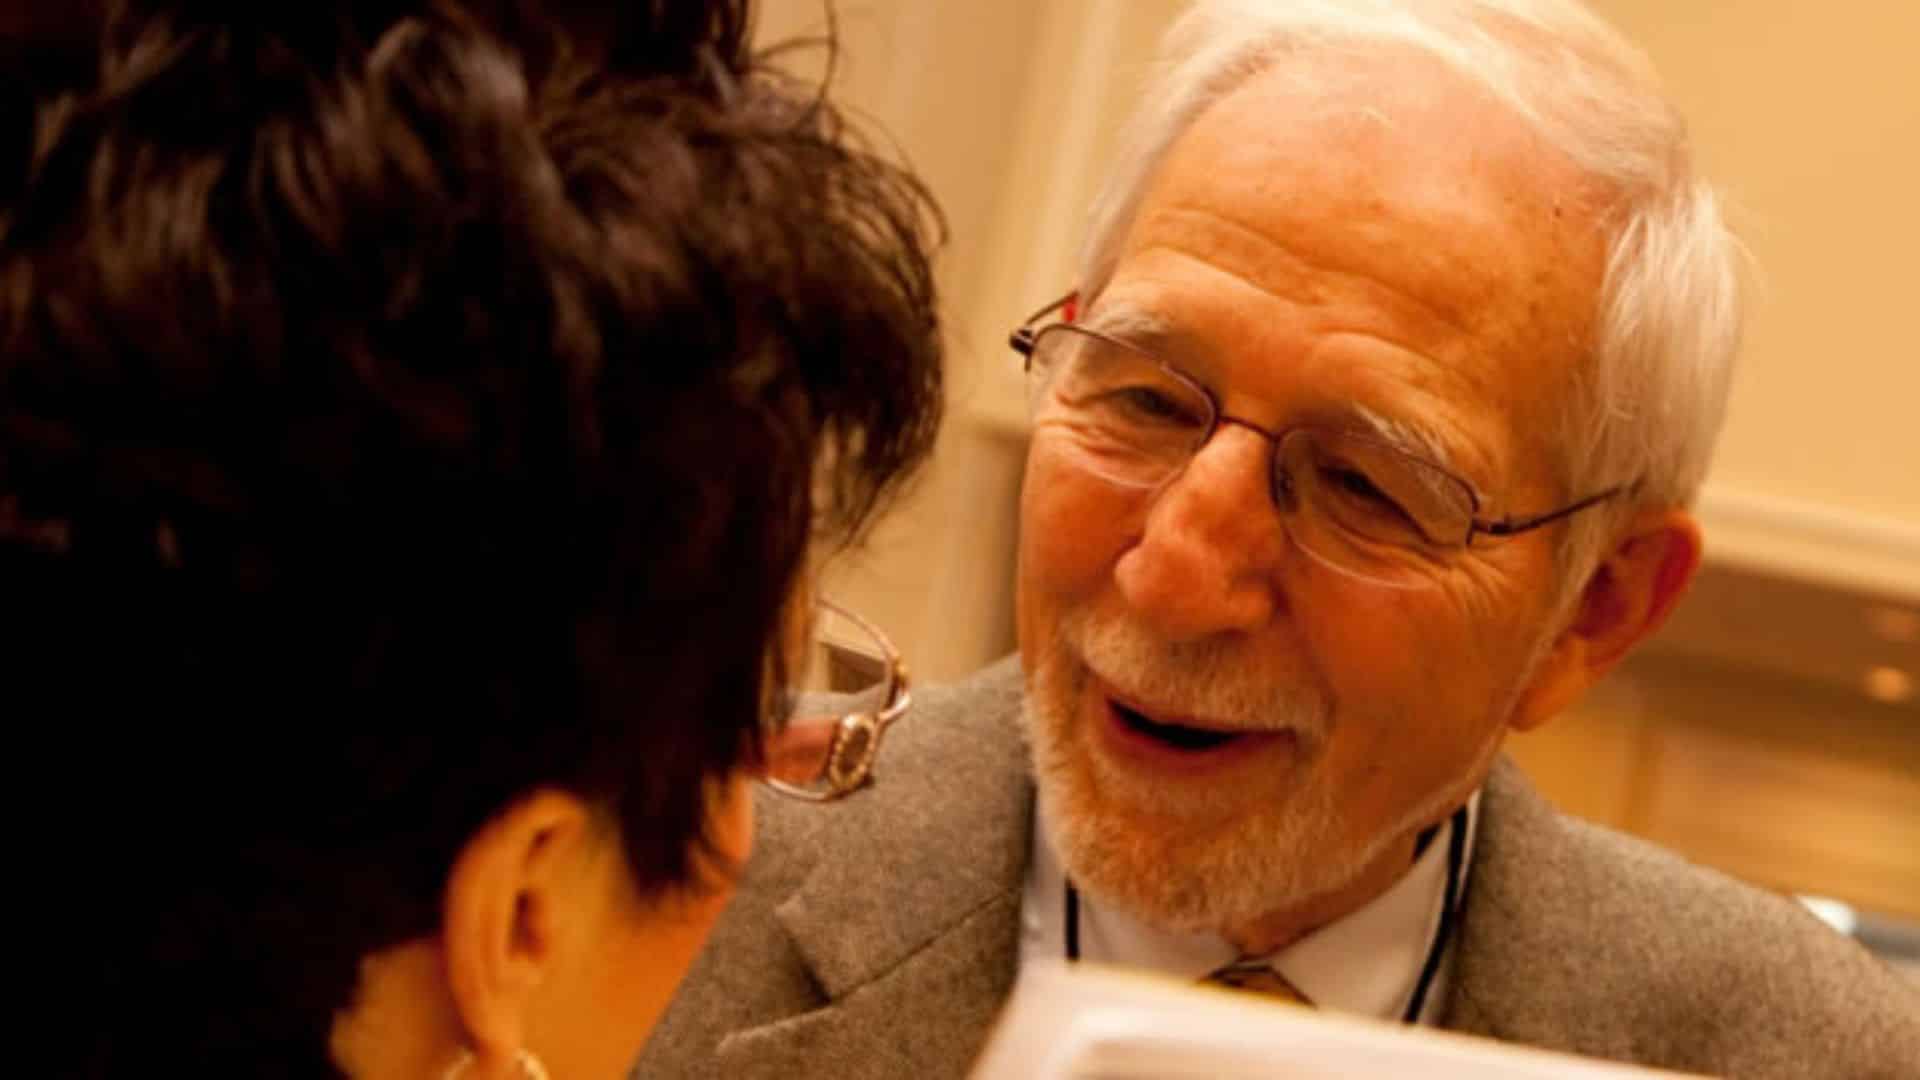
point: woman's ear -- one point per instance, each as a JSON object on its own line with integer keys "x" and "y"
{"x": 501, "y": 925}
{"x": 1627, "y": 598}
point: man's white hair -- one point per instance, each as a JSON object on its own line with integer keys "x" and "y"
{"x": 1648, "y": 407}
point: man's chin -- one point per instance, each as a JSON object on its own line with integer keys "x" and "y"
{"x": 1176, "y": 860}
{"x": 1176, "y": 878}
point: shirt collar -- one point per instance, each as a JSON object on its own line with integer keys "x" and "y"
{"x": 1367, "y": 962}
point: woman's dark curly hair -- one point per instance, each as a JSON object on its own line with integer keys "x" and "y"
{"x": 405, "y": 406}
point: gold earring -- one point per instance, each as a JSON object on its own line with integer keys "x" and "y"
{"x": 530, "y": 1067}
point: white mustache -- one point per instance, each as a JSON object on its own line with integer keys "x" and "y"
{"x": 1207, "y": 682}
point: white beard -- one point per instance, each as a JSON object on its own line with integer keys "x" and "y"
{"x": 1186, "y": 860}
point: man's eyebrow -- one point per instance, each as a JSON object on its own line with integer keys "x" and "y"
{"x": 1410, "y": 437}
{"x": 1129, "y": 324}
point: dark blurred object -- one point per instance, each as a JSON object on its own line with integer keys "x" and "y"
{"x": 46, "y": 49}
{"x": 404, "y": 407}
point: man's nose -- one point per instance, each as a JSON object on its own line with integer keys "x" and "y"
{"x": 1210, "y": 557}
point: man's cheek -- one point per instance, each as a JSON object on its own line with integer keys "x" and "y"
{"x": 1071, "y": 529}
{"x": 1370, "y": 627}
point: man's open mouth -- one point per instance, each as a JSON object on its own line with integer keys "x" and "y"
{"x": 1177, "y": 736}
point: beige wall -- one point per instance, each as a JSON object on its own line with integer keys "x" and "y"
{"x": 1009, "y": 109}
{"x": 1808, "y": 115}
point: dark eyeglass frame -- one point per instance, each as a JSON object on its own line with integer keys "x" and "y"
{"x": 1027, "y": 335}
{"x": 855, "y": 739}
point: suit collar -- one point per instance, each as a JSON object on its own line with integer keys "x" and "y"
{"x": 953, "y": 797}
{"x": 905, "y": 901}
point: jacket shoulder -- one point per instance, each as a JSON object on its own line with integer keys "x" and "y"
{"x": 1577, "y": 937}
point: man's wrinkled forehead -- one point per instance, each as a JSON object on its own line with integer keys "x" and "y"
{"x": 1403, "y": 152}
{"x": 1389, "y": 183}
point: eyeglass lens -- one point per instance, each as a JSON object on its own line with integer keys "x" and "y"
{"x": 1352, "y": 500}
{"x": 839, "y": 688}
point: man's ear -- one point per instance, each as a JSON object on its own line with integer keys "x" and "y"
{"x": 500, "y": 926}
{"x": 1627, "y": 598}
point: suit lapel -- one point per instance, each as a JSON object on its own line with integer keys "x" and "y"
{"x": 907, "y": 917}
{"x": 926, "y": 1016}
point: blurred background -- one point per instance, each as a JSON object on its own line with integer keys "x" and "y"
{"x": 1773, "y": 729}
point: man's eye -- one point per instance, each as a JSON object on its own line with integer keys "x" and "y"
{"x": 1357, "y": 490}
{"x": 1148, "y": 404}
{"x": 1353, "y": 482}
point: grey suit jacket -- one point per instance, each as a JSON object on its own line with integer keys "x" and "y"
{"x": 877, "y": 937}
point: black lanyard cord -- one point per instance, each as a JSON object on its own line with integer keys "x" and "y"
{"x": 1449, "y": 904}
{"x": 1449, "y": 909}
{"x": 1073, "y": 923}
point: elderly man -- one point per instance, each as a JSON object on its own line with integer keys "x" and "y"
{"x": 1366, "y": 438}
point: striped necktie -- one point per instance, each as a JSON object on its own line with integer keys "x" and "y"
{"x": 1258, "y": 976}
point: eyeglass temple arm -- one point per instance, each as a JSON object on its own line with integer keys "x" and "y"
{"x": 1023, "y": 336}
{"x": 902, "y": 701}
{"x": 902, "y": 698}
{"x": 1511, "y": 526}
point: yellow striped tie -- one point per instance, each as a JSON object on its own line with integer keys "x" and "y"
{"x": 1259, "y": 977}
